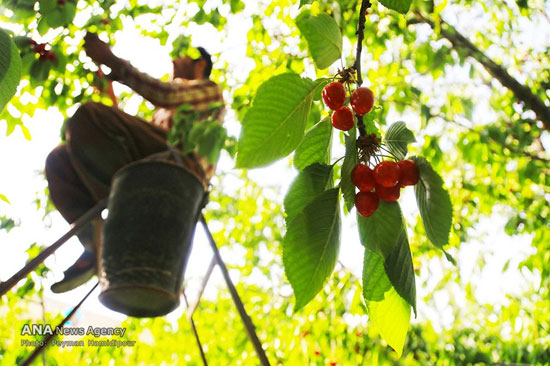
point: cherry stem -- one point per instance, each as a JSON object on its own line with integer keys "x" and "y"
{"x": 337, "y": 160}
{"x": 386, "y": 156}
{"x": 365, "y": 4}
{"x": 388, "y": 151}
{"x": 361, "y": 126}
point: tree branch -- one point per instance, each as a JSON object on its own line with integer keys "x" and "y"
{"x": 521, "y": 92}
{"x": 365, "y": 5}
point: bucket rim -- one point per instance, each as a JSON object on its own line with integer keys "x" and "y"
{"x": 106, "y": 300}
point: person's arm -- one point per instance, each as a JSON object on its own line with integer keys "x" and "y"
{"x": 198, "y": 93}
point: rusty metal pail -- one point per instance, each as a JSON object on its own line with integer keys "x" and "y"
{"x": 147, "y": 237}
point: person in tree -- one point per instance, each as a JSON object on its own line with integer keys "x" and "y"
{"x": 102, "y": 139}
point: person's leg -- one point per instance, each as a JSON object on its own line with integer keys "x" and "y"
{"x": 67, "y": 192}
{"x": 72, "y": 199}
{"x": 102, "y": 139}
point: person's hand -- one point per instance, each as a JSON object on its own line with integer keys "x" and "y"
{"x": 98, "y": 50}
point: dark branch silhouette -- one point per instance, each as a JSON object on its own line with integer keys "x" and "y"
{"x": 521, "y": 92}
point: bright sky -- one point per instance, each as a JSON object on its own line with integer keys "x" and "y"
{"x": 22, "y": 161}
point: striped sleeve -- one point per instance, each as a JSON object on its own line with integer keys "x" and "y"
{"x": 197, "y": 93}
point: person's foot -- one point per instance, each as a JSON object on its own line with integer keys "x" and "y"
{"x": 79, "y": 273}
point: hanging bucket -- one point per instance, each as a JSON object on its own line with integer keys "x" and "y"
{"x": 147, "y": 237}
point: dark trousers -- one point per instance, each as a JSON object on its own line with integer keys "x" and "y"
{"x": 100, "y": 141}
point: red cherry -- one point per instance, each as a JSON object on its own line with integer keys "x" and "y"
{"x": 409, "y": 173}
{"x": 366, "y": 203}
{"x": 388, "y": 194}
{"x": 40, "y": 48}
{"x": 387, "y": 173}
{"x": 362, "y": 100}
{"x": 334, "y": 95}
{"x": 43, "y": 56}
{"x": 363, "y": 178}
{"x": 52, "y": 56}
{"x": 342, "y": 119}
{"x": 61, "y": 2}
{"x": 32, "y": 42}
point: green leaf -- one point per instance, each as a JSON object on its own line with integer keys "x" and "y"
{"x": 40, "y": 70}
{"x": 450, "y": 258}
{"x": 350, "y": 161}
{"x": 69, "y": 11}
{"x": 388, "y": 312}
{"x": 55, "y": 18}
{"x": 368, "y": 120}
{"x": 315, "y": 147}
{"x": 321, "y": 83}
{"x": 384, "y": 233}
{"x": 236, "y": 6}
{"x": 400, "y": 271}
{"x": 398, "y": 138}
{"x": 401, "y": 6}
{"x": 27, "y": 287}
{"x": 26, "y": 132}
{"x": 4, "y": 198}
{"x": 46, "y": 6}
{"x": 311, "y": 245}
{"x": 200, "y": 17}
{"x": 323, "y": 37}
{"x": 22, "y": 43}
{"x": 309, "y": 184}
{"x": 305, "y": 2}
{"x": 42, "y": 27}
{"x": 10, "y": 68}
{"x": 380, "y": 231}
{"x": 434, "y": 203}
{"x": 375, "y": 279}
{"x": 211, "y": 143}
{"x": 274, "y": 126}
{"x": 391, "y": 317}
{"x": 6, "y": 223}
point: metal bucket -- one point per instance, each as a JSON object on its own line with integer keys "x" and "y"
{"x": 147, "y": 237}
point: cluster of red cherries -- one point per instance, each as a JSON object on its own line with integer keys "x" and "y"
{"x": 40, "y": 48}
{"x": 334, "y": 95}
{"x": 384, "y": 182}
